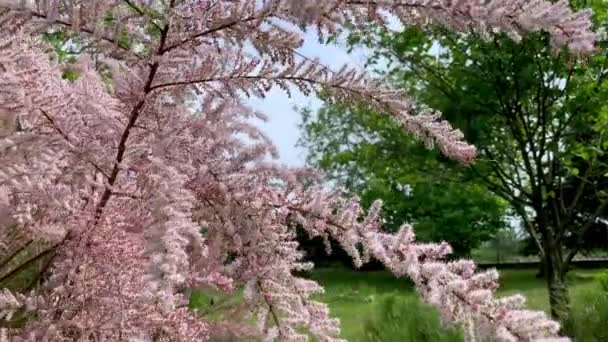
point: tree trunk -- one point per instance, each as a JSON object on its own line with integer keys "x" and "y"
{"x": 555, "y": 275}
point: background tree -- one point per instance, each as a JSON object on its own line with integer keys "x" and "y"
{"x": 538, "y": 118}
{"x": 368, "y": 154}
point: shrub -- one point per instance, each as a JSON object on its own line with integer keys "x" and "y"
{"x": 407, "y": 319}
{"x": 589, "y": 316}
{"x": 603, "y": 278}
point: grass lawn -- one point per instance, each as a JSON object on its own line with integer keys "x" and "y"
{"x": 351, "y": 295}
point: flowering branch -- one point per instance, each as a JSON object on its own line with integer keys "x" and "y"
{"x": 462, "y": 295}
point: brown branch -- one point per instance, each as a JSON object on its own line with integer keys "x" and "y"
{"x": 583, "y": 231}
{"x": 8, "y": 259}
{"x": 206, "y": 32}
{"x": 141, "y": 12}
{"x": 85, "y": 30}
{"x": 29, "y": 262}
{"x": 502, "y": 190}
{"x": 124, "y": 194}
{"x": 275, "y": 317}
{"x": 508, "y": 181}
{"x": 40, "y": 274}
{"x": 442, "y": 84}
{"x": 529, "y": 227}
{"x": 133, "y": 116}
{"x": 229, "y": 78}
{"x": 580, "y": 189}
{"x": 66, "y": 138}
{"x": 311, "y": 81}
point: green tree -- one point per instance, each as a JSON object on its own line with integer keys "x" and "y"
{"x": 538, "y": 119}
{"x": 370, "y": 156}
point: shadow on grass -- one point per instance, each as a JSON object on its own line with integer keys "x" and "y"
{"x": 340, "y": 277}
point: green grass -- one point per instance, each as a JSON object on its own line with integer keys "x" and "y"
{"x": 352, "y": 296}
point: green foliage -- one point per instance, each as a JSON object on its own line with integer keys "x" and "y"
{"x": 589, "y": 315}
{"x": 401, "y": 319}
{"x": 353, "y": 296}
{"x": 213, "y": 303}
{"x": 603, "y": 279}
{"x": 539, "y": 119}
{"x": 67, "y": 46}
{"x": 371, "y": 156}
{"x": 59, "y": 41}
{"x": 504, "y": 247}
{"x": 64, "y": 50}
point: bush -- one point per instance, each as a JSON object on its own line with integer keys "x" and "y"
{"x": 588, "y": 321}
{"x": 401, "y": 319}
{"x": 603, "y": 278}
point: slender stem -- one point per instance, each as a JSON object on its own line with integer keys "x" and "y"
{"x": 29, "y": 262}
{"x": 133, "y": 116}
{"x": 16, "y": 252}
{"x": 207, "y": 32}
{"x": 66, "y": 138}
{"x": 274, "y": 315}
{"x": 141, "y": 12}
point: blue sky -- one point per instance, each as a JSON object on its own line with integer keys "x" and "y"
{"x": 282, "y": 127}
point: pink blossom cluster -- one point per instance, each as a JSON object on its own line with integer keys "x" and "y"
{"x": 149, "y": 177}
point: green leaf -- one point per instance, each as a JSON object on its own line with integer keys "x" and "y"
{"x": 70, "y": 75}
